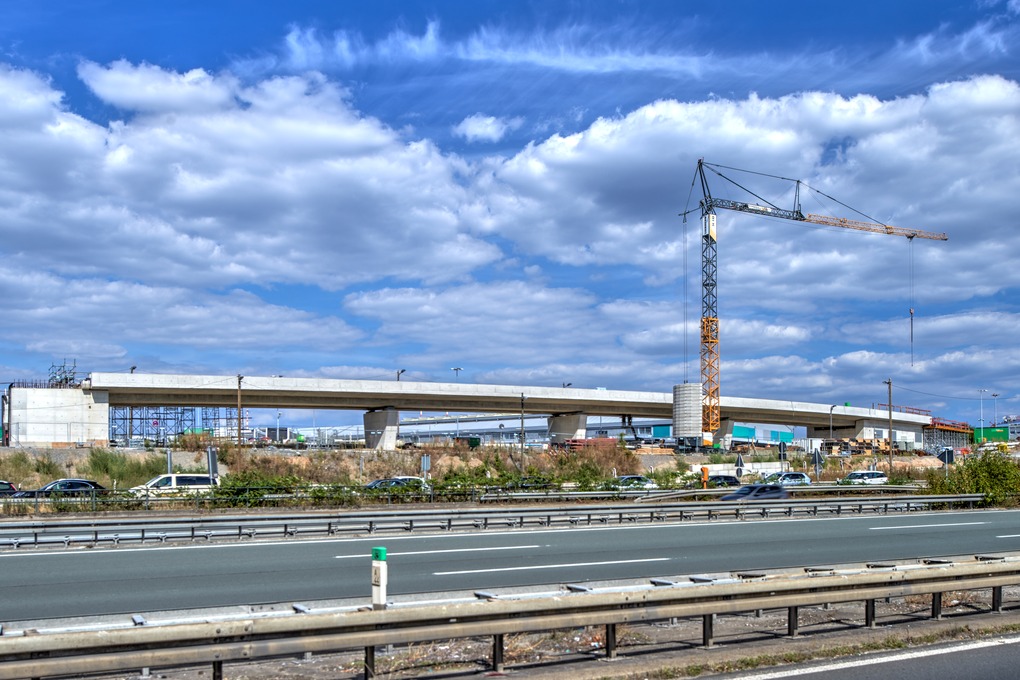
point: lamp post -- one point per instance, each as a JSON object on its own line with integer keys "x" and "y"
{"x": 830, "y": 419}
{"x": 456, "y": 372}
{"x": 277, "y": 438}
{"x": 566, "y": 385}
{"x": 401, "y": 372}
{"x": 981, "y": 412}
{"x": 522, "y": 430}
{"x": 995, "y": 408}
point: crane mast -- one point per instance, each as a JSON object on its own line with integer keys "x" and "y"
{"x": 710, "y": 364}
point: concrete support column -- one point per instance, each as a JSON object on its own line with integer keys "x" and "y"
{"x": 564, "y": 426}
{"x": 381, "y": 429}
{"x": 724, "y": 436}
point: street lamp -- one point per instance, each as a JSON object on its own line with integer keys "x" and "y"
{"x": 981, "y": 412}
{"x": 277, "y": 437}
{"x": 400, "y": 372}
{"x": 830, "y": 419}
{"x": 995, "y": 408}
{"x": 566, "y": 385}
{"x": 456, "y": 371}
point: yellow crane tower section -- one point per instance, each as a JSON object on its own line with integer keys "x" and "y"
{"x": 711, "y": 420}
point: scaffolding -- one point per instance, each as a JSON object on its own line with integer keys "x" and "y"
{"x": 156, "y": 424}
{"x": 942, "y": 434}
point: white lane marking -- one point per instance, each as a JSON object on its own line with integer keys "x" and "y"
{"x": 927, "y": 526}
{"x": 548, "y": 566}
{"x": 866, "y": 661}
{"x": 1009, "y": 536}
{"x": 439, "y": 552}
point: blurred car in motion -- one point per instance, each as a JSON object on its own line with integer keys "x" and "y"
{"x": 787, "y": 478}
{"x": 865, "y": 477}
{"x": 633, "y": 483}
{"x": 170, "y": 484}
{"x": 757, "y": 492}
{"x": 64, "y": 487}
{"x": 399, "y": 485}
{"x": 723, "y": 480}
{"x": 7, "y": 488}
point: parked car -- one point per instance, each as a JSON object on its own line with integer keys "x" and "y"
{"x": 723, "y": 480}
{"x": 64, "y": 487}
{"x": 399, "y": 485}
{"x": 7, "y": 488}
{"x": 757, "y": 492}
{"x": 633, "y": 482}
{"x": 787, "y": 478}
{"x": 180, "y": 483}
{"x": 865, "y": 477}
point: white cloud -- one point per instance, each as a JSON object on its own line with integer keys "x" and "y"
{"x": 149, "y": 88}
{"x": 485, "y": 128}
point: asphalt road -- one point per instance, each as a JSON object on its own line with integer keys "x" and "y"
{"x": 993, "y": 659}
{"x": 82, "y": 582}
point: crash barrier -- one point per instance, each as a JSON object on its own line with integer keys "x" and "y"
{"x": 138, "y": 644}
{"x": 114, "y": 531}
{"x": 110, "y": 500}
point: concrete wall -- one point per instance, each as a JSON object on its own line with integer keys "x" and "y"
{"x": 55, "y": 418}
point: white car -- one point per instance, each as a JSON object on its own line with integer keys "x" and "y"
{"x": 865, "y": 477}
{"x": 180, "y": 483}
{"x": 787, "y": 479}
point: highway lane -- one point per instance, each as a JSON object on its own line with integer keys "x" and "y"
{"x": 992, "y": 659}
{"x": 118, "y": 580}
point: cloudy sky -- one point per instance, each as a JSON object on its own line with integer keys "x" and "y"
{"x": 348, "y": 189}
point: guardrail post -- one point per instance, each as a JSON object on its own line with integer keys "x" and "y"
{"x": 869, "y": 613}
{"x": 497, "y": 653}
{"x": 997, "y": 599}
{"x": 708, "y": 630}
{"x": 369, "y": 662}
{"x": 936, "y": 606}
{"x": 610, "y": 640}
{"x": 217, "y": 670}
{"x": 792, "y": 621}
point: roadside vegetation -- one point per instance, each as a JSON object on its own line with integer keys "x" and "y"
{"x": 457, "y": 473}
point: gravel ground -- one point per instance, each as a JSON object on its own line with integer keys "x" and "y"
{"x": 664, "y": 650}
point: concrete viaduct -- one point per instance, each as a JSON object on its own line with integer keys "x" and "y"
{"x": 36, "y": 416}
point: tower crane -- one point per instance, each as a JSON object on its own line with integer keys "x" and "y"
{"x": 711, "y": 420}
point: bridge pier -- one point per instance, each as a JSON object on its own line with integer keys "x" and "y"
{"x": 381, "y": 429}
{"x": 564, "y": 426}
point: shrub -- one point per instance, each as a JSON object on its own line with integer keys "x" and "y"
{"x": 991, "y": 473}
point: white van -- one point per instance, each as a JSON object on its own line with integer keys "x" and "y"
{"x": 180, "y": 483}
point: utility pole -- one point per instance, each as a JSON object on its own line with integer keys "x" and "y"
{"x": 889, "y": 383}
{"x": 239, "y": 379}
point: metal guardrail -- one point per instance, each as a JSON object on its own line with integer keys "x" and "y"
{"x": 37, "y": 653}
{"x": 114, "y": 531}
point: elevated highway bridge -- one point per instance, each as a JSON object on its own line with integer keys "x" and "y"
{"x": 37, "y": 415}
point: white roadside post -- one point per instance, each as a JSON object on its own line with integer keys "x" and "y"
{"x": 379, "y": 578}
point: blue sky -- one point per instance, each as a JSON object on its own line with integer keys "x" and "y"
{"x": 345, "y": 189}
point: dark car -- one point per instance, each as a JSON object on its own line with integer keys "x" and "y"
{"x": 723, "y": 480}
{"x": 399, "y": 485}
{"x": 757, "y": 492}
{"x": 64, "y": 487}
{"x": 7, "y": 489}
{"x": 530, "y": 484}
